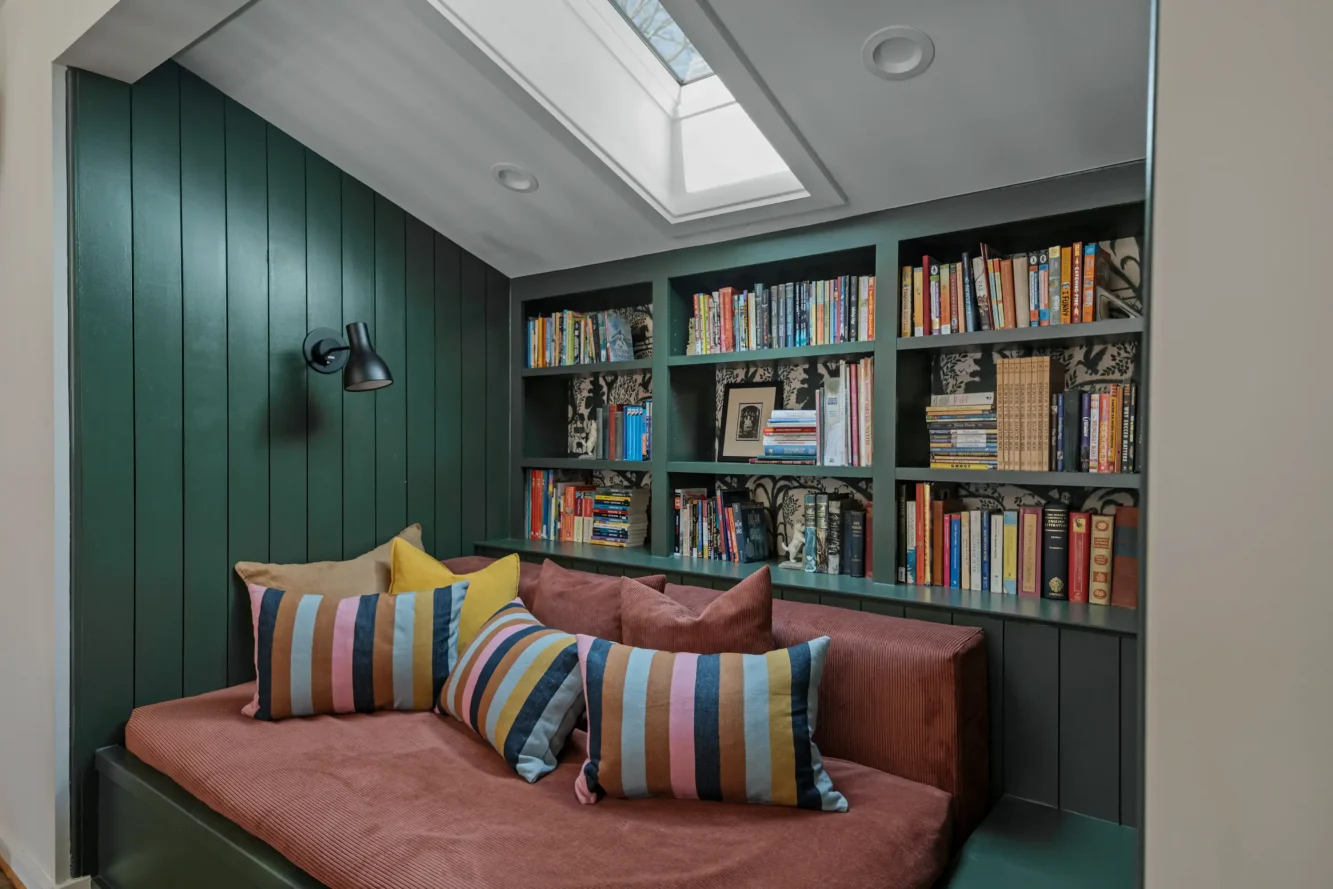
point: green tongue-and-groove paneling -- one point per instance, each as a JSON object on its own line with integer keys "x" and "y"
{"x": 205, "y": 244}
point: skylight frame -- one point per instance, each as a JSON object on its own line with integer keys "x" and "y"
{"x": 633, "y": 26}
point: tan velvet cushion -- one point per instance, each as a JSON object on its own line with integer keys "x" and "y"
{"x": 740, "y": 620}
{"x": 366, "y": 575}
{"x": 580, "y": 602}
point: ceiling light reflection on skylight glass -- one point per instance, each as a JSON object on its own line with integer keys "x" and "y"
{"x": 667, "y": 41}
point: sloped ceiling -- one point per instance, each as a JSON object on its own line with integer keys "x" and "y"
{"x": 1019, "y": 90}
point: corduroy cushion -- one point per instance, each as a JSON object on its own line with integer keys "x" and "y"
{"x": 315, "y": 654}
{"x": 367, "y": 574}
{"x": 739, "y": 620}
{"x": 489, "y": 589}
{"x": 579, "y": 602}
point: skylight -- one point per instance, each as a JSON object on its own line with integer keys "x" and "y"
{"x": 667, "y": 41}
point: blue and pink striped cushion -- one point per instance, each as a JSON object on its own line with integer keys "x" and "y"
{"x": 315, "y": 654}
{"x": 727, "y": 727}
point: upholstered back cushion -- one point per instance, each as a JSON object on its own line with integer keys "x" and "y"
{"x": 367, "y": 574}
{"x": 316, "y": 654}
{"x": 739, "y": 620}
{"x": 489, "y": 588}
{"x": 904, "y": 696}
{"x": 518, "y": 685}
{"x": 726, "y": 727}
{"x": 579, "y": 602}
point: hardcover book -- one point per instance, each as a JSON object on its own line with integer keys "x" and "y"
{"x": 964, "y": 551}
{"x": 975, "y": 562}
{"x": 821, "y": 533}
{"x": 834, "y": 535}
{"x": 854, "y": 542}
{"x": 811, "y": 556}
{"x": 1099, "y": 559}
{"x": 1078, "y": 556}
{"x": 955, "y": 551}
{"x": 996, "y": 552}
{"x": 1055, "y": 552}
{"x": 1010, "y": 561}
{"x": 1029, "y": 558}
{"x": 985, "y": 522}
{"x": 909, "y": 557}
{"x": 1125, "y": 558}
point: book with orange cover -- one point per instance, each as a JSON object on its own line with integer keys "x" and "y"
{"x": 922, "y": 535}
{"x": 1090, "y": 281}
{"x": 1076, "y": 283}
{"x": 1007, "y": 290}
{"x": 1066, "y": 284}
{"x": 1125, "y": 558}
{"x": 1099, "y": 560}
{"x": 870, "y": 334}
{"x": 918, "y": 302}
{"x": 1104, "y": 432}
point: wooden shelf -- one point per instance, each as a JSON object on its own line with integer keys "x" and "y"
{"x": 772, "y": 469}
{"x": 1113, "y": 330}
{"x": 1121, "y": 621}
{"x": 798, "y": 353}
{"x": 1124, "y": 480}
{"x": 583, "y": 463}
{"x": 568, "y": 370}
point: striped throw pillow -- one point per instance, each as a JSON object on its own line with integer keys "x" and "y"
{"x": 518, "y": 686}
{"x": 728, "y": 727}
{"x": 316, "y": 654}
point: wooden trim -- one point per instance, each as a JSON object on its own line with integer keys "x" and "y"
{"x": 10, "y": 875}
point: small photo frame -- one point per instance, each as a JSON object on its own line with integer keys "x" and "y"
{"x": 746, "y": 408}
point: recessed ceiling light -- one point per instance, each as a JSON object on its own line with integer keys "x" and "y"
{"x": 514, "y": 178}
{"x": 898, "y": 52}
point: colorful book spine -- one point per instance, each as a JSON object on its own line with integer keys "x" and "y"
{"x": 969, "y": 295}
{"x": 1085, "y": 432}
{"x": 1090, "y": 282}
{"x": 996, "y": 521}
{"x": 919, "y": 319}
{"x": 1066, "y": 285}
{"x": 909, "y": 539}
{"x": 1031, "y": 313}
{"x": 905, "y": 309}
{"x": 1029, "y": 557}
{"x": 978, "y": 549}
{"x": 1104, "y": 446}
{"x": 1099, "y": 547}
{"x": 1125, "y": 558}
{"x": 1079, "y": 525}
{"x": 981, "y": 293}
{"x": 1076, "y": 283}
{"x": 1056, "y": 275}
{"x": 985, "y": 522}
{"x": 964, "y": 551}
{"x": 946, "y": 301}
{"x": 1044, "y": 291}
{"x": 955, "y": 551}
{"x": 1010, "y": 565}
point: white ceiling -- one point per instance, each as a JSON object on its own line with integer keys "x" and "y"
{"x": 1019, "y": 90}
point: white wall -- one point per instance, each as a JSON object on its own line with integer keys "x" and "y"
{"x": 1239, "y": 678}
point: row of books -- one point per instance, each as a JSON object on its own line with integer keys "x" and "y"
{"x": 1058, "y": 285}
{"x": 623, "y": 431}
{"x": 579, "y": 513}
{"x": 727, "y": 525}
{"x": 836, "y": 533}
{"x": 569, "y": 338}
{"x": 963, "y": 431}
{"x": 838, "y": 432}
{"x": 803, "y": 313}
{"x": 1095, "y": 431}
{"x": 1045, "y": 552}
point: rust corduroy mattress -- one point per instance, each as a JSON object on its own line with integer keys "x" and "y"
{"x": 416, "y": 800}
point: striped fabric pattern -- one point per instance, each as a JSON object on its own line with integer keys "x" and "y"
{"x": 518, "y": 685}
{"x": 319, "y": 655}
{"x": 727, "y": 727}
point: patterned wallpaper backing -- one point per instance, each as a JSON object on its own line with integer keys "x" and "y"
{"x": 1085, "y": 365}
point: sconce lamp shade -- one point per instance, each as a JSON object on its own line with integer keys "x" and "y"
{"x": 363, "y": 369}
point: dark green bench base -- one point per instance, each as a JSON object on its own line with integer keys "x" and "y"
{"x": 151, "y": 834}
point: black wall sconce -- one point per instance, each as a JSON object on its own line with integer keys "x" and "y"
{"x": 363, "y": 369}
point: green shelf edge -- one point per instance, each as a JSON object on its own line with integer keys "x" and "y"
{"x": 1124, "y": 480}
{"x": 831, "y": 350}
{"x": 1120, "y": 621}
{"x": 579, "y": 463}
{"x": 1108, "y": 330}
{"x": 577, "y": 370}
{"x": 776, "y": 469}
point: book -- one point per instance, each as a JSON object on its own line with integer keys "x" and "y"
{"x": 985, "y": 522}
{"x": 1066, "y": 284}
{"x": 975, "y": 562}
{"x": 919, "y": 284}
{"x": 811, "y": 556}
{"x": 905, "y": 309}
{"x": 870, "y": 539}
{"x": 1125, "y": 558}
{"x": 981, "y": 293}
{"x": 1085, "y": 432}
{"x": 1104, "y": 432}
{"x": 903, "y": 509}
{"x": 932, "y": 283}
{"x": 1090, "y": 281}
{"x": 854, "y": 542}
{"x": 1031, "y": 311}
{"x": 821, "y": 533}
{"x": 955, "y": 551}
{"x": 923, "y": 561}
{"x": 1079, "y": 525}
{"x": 964, "y": 551}
{"x": 1029, "y": 557}
{"x": 946, "y": 301}
{"x": 834, "y": 565}
{"x": 1022, "y": 280}
{"x": 1056, "y": 294}
{"x": 1010, "y": 561}
{"x": 996, "y": 552}
{"x": 1076, "y": 283}
{"x": 969, "y": 294}
{"x": 909, "y": 550}
{"x": 1055, "y": 552}
{"x": 959, "y": 301}
{"x": 1007, "y": 290}
{"x": 1099, "y": 559}
{"x": 1044, "y": 289}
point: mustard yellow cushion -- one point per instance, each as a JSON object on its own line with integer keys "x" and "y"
{"x": 489, "y": 589}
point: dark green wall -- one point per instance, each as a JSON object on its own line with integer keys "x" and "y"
{"x": 205, "y": 244}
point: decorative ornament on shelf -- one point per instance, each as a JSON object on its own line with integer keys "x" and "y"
{"x": 793, "y": 549}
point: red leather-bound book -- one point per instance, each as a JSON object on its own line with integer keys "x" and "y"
{"x": 1078, "y": 556}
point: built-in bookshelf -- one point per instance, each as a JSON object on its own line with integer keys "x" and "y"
{"x": 685, "y": 383}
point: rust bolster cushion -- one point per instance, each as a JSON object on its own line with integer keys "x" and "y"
{"x": 904, "y": 696}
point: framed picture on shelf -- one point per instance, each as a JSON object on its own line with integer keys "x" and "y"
{"x": 746, "y": 408}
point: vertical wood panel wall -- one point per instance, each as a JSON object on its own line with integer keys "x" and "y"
{"x": 206, "y": 243}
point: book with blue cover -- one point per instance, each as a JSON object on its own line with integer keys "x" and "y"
{"x": 955, "y": 551}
